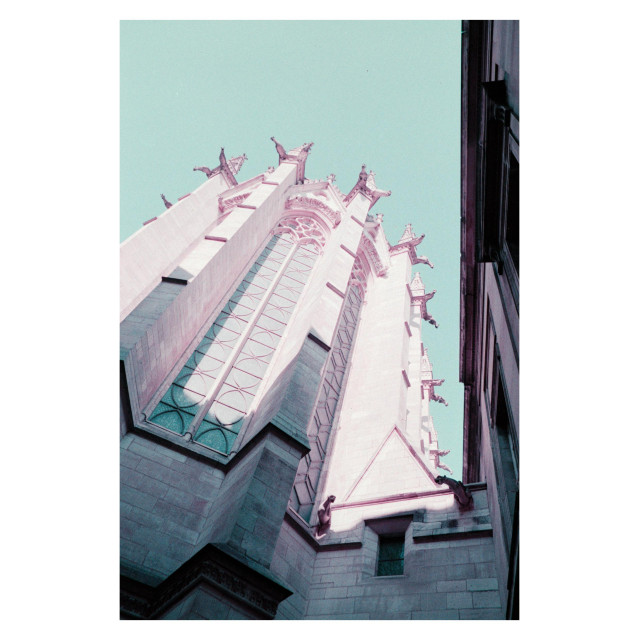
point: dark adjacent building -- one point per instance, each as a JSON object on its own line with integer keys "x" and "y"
{"x": 489, "y": 334}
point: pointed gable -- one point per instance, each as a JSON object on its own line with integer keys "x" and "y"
{"x": 393, "y": 470}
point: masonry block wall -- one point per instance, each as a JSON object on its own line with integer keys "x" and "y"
{"x": 449, "y": 573}
{"x": 166, "y": 498}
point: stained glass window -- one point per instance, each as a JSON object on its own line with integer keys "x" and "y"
{"x": 211, "y": 395}
{"x": 310, "y": 467}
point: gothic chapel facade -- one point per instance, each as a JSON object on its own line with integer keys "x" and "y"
{"x": 278, "y": 456}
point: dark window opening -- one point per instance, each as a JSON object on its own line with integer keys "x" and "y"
{"x": 390, "y": 560}
{"x": 512, "y": 214}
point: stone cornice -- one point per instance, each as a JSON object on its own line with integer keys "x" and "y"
{"x": 225, "y": 205}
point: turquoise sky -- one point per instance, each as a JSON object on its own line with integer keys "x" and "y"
{"x": 383, "y": 93}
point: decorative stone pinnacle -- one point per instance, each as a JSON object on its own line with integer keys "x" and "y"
{"x": 408, "y": 234}
{"x": 417, "y": 283}
{"x": 235, "y": 164}
{"x": 366, "y": 185}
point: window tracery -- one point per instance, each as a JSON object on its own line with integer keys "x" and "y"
{"x": 310, "y": 467}
{"x": 212, "y": 394}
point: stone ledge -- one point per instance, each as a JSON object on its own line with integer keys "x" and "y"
{"x": 480, "y": 530}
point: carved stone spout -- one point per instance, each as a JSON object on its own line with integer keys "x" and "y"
{"x": 462, "y": 495}
{"x": 324, "y": 515}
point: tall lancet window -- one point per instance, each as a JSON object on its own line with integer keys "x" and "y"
{"x": 212, "y": 394}
{"x": 319, "y": 430}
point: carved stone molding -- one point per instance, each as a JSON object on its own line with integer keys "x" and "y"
{"x": 305, "y": 202}
{"x": 369, "y": 250}
{"x": 226, "y": 204}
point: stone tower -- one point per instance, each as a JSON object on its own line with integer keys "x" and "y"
{"x": 278, "y": 455}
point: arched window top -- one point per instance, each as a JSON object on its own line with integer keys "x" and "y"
{"x": 305, "y": 230}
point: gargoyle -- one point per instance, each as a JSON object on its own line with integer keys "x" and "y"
{"x": 432, "y": 321}
{"x": 206, "y": 170}
{"x": 167, "y": 204}
{"x": 424, "y": 260}
{"x": 439, "y": 399}
{"x": 281, "y": 152}
{"x": 462, "y": 495}
{"x": 324, "y": 515}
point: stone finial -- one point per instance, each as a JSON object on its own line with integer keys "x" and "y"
{"x": 330, "y": 178}
{"x": 370, "y": 184}
{"x": 235, "y": 164}
{"x": 408, "y": 234}
{"x": 462, "y": 495}
{"x": 167, "y": 204}
{"x": 417, "y": 282}
{"x": 324, "y": 515}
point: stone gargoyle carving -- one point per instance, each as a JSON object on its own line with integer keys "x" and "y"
{"x": 167, "y": 204}
{"x": 206, "y": 170}
{"x": 324, "y": 515}
{"x": 281, "y": 152}
{"x": 463, "y": 497}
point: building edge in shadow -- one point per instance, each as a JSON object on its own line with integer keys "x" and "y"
{"x": 489, "y": 306}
